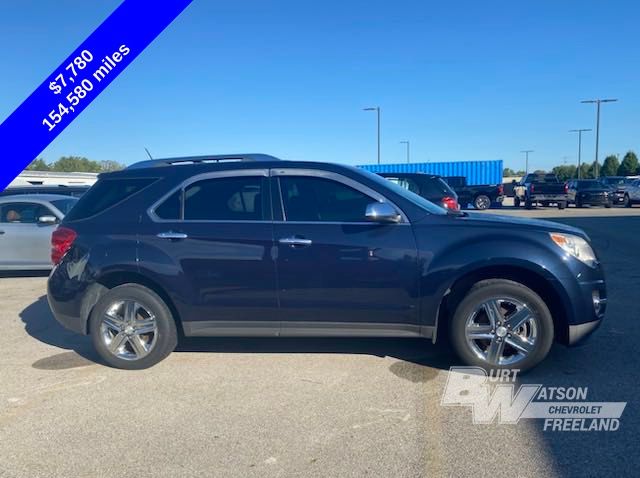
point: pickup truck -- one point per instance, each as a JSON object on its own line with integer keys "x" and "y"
{"x": 481, "y": 196}
{"x": 543, "y": 189}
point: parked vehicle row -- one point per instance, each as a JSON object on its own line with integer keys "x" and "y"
{"x": 256, "y": 246}
{"x": 547, "y": 189}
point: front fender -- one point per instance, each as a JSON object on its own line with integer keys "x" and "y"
{"x": 444, "y": 262}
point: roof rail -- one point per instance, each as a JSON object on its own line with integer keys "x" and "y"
{"x": 210, "y": 158}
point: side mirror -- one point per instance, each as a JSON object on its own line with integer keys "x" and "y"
{"x": 47, "y": 220}
{"x": 382, "y": 212}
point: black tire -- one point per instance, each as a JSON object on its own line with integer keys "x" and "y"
{"x": 627, "y": 201}
{"x": 516, "y": 202}
{"x": 503, "y": 289}
{"x": 482, "y": 202}
{"x": 579, "y": 203}
{"x": 562, "y": 204}
{"x": 165, "y": 338}
{"x": 608, "y": 205}
{"x": 528, "y": 204}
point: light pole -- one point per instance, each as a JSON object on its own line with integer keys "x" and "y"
{"x": 579, "y": 131}
{"x": 526, "y": 160}
{"x": 377, "y": 110}
{"x": 597, "y": 101}
{"x": 408, "y": 146}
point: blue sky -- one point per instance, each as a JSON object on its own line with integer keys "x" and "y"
{"x": 461, "y": 80}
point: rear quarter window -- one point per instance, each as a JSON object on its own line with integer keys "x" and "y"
{"x": 105, "y": 194}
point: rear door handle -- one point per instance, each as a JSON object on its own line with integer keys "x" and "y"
{"x": 172, "y": 235}
{"x": 1, "y": 233}
{"x": 295, "y": 241}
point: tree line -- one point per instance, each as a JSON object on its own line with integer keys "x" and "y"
{"x": 75, "y": 164}
{"x": 611, "y": 166}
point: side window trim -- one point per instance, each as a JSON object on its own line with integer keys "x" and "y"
{"x": 264, "y": 173}
{"x": 319, "y": 173}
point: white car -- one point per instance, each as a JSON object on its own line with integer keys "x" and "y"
{"x": 26, "y": 224}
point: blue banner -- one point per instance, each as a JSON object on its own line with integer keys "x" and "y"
{"x": 80, "y": 79}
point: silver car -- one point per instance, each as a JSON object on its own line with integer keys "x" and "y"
{"x": 632, "y": 193}
{"x": 26, "y": 224}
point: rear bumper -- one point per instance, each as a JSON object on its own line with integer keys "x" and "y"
{"x": 548, "y": 197}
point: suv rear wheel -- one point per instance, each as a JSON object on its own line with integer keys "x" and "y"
{"x": 132, "y": 328}
{"x": 502, "y": 324}
{"x": 482, "y": 201}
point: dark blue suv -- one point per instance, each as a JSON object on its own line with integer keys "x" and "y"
{"x": 248, "y": 245}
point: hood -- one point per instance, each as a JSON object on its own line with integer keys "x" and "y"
{"x": 500, "y": 221}
{"x": 594, "y": 191}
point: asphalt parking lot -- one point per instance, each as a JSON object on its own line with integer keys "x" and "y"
{"x": 301, "y": 407}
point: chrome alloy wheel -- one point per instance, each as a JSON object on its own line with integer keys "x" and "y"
{"x": 502, "y": 331}
{"x": 482, "y": 202}
{"x": 129, "y": 330}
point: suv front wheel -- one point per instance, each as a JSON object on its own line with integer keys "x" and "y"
{"x": 501, "y": 324}
{"x": 132, "y": 328}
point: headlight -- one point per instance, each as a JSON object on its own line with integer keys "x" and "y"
{"x": 575, "y": 246}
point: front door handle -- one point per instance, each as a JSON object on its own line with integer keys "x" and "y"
{"x": 175, "y": 236}
{"x": 295, "y": 241}
{"x": 1, "y": 233}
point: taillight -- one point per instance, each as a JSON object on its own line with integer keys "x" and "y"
{"x": 532, "y": 188}
{"x": 450, "y": 203}
{"x": 566, "y": 187}
{"x": 500, "y": 189}
{"x": 61, "y": 241}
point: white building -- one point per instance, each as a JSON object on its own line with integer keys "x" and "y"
{"x": 51, "y": 178}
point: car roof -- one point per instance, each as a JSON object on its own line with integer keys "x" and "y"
{"x": 35, "y": 197}
{"x": 152, "y": 169}
{"x": 417, "y": 173}
{"x": 204, "y": 159}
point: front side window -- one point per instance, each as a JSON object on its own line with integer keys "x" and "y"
{"x": 22, "y": 212}
{"x": 314, "y": 199}
{"x": 222, "y": 199}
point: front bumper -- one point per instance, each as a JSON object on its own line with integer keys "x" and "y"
{"x": 618, "y": 197}
{"x": 579, "y": 332}
{"x": 596, "y": 199}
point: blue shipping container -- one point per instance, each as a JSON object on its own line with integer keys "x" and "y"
{"x": 476, "y": 172}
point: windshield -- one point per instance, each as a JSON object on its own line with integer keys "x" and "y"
{"x": 614, "y": 181}
{"x": 589, "y": 185}
{"x": 64, "y": 205}
{"x": 405, "y": 193}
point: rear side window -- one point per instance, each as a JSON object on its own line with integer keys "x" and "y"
{"x": 435, "y": 187}
{"x": 225, "y": 199}
{"x": 64, "y": 205}
{"x": 105, "y": 194}
{"x": 406, "y": 183}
